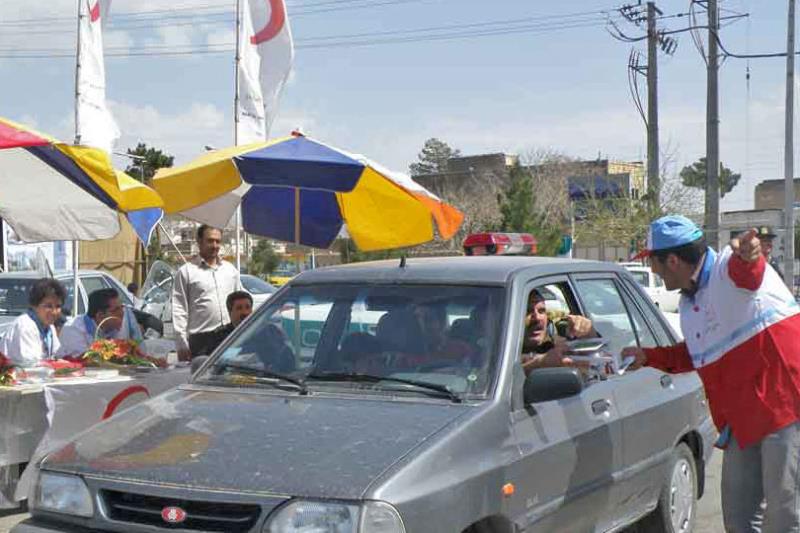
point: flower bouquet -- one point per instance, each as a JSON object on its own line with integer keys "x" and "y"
{"x": 7, "y": 372}
{"x": 116, "y": 353}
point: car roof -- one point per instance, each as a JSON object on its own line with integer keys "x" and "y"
{"x": 32, "y": 274}
{"x": 638, "y": 268}
{"x": 478, "y": 270}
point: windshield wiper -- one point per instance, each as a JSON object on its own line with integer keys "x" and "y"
{"x": 260, "y": 373}
{"x": 370, "y": 378}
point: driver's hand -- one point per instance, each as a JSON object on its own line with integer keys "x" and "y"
{"x": 579, "y": 326}
{"x": 639, "y": 357}
{"x": 552, "y": 358}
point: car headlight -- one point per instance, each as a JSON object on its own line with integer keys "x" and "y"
{"x": 62, "y": 493}
{"x": 329, "y": 517}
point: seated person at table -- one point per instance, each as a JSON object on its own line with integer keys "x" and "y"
{"x": 542, "y": 346}
{"x": 33, "y": 336}
{"x": 240, "y": 306}
{"x": 106, "y": 318}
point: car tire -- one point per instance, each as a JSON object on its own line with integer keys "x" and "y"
{"x": 677, "y": 504}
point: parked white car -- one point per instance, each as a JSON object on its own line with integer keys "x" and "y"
{"x": 157, "y": 293}
{"x": 654, "y": 286}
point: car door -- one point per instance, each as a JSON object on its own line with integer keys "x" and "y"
{"x": 570, "y": 451}
{"x": 648, "y": 400}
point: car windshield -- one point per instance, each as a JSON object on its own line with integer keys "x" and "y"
{"x": 14, "y": 295}
{"x": 255, "y": 285}
{"x": 438, "y": 341}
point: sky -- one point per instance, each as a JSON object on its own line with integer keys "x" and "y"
{"x": 548, "y": 75}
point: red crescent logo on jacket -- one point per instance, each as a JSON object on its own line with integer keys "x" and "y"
{"x": 94, "y": 12}
{"x": 277, "y": 18}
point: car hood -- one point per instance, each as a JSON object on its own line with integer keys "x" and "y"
{"x": 244, "y": 440}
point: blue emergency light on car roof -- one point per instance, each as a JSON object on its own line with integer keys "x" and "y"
{"x": 497, "y": 243}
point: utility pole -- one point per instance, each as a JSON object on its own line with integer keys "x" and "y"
{"x": 712, "y": 217}
{"x": 788, "y": 155}
{"x": 653, "y": 179}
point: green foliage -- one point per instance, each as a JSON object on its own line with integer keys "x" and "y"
{"x": 519, "y": 215}
{"x": 153, "y": 160}
{"x": 263, "y": 259}
{"x": 433, "y": 158}
{"x": 694, "y": 175}
{"x": 350, "y": 254}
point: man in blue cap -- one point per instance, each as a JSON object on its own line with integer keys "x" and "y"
{"x": 740, "y": 324}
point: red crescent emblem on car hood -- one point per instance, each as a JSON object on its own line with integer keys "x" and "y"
{"x": 173, "y": 515}
{"x": 277, "y": 18}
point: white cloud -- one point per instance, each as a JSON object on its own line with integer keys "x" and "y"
{"x": 182, "y": 133}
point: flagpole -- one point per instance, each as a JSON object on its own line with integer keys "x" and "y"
{"x": 75, "y": 243}
{"x": 236, "y": 126}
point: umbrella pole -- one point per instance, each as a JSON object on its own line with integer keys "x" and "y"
{"x": 297, "y": 344}
{"x": 238, "y": 238}
{"x": 75, "y": 263}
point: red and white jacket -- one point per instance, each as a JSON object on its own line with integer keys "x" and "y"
{"x": 742, "y": 335}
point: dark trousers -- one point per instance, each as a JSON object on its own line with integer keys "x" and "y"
{"x": 203, "y": 343}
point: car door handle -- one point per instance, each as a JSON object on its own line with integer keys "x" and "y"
{"x": 600, "y": 407}
{"x": 666, "y": 381}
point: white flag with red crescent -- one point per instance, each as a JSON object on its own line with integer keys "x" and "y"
{"x": 267, "y": 52}
{"x": 96, "y": 126}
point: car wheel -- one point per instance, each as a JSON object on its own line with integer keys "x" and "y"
{"x": 677, "y": 504}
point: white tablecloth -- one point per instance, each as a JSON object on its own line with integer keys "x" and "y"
{"x": 36, "y": 419}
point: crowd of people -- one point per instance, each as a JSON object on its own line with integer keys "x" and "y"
{"x": 207, "y": 302}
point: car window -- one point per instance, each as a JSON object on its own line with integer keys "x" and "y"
{"x": 14, "y": 295}
{"x": 123, "y": 294}
{"x": 604, "y": 306}
{"x": 643, "y": 332}
{"x": 658, "y": 280}
{"x": 67, "y": 308}
{"x": 444, "y": 335}
{"x": 662, "y": 338}
{"x": 255, "y": 285}
{"x": 93, "y": 283}
{"x": 640, "y": 277}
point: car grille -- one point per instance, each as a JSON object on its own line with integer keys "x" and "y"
{"x": 203, "y": 516}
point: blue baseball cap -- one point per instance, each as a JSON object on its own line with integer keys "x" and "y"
{"x": 668, "y": 232}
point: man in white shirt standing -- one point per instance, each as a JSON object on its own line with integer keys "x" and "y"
{"x": 199, "y": 292}
{"x": 105, "y": 319}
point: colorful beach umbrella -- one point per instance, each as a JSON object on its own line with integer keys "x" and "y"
{"x": 52, "y": 191}
{"x": 296, "y": 189}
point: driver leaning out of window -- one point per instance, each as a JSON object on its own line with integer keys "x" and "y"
{"x": 542, "y": 346}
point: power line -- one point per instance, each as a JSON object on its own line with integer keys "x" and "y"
{"x": 466, "y": 31}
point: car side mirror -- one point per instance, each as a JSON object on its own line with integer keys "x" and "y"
{"x": 547, "y": 384}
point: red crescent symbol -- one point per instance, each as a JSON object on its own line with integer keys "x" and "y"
{"x": 94, "y": 13}
{"x": 277, "y": 18}
{"x": 121, "y": 397}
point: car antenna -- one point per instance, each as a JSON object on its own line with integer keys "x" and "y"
{"x": 403, "y": 261}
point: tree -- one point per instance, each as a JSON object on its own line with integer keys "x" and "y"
{"x": 153, "y": 160}
{"x": 520, "y": 215}
{"x": 433, "y": 158}
{"x": 350, "y": 254}
{"x": 263, "y": 259}
{"x": 694, "y": 175}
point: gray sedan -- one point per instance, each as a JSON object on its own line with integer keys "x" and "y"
{"x": 389, "y": 397}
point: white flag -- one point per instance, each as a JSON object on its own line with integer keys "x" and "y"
{"x": 96, "y": 127}
{"x": 265, "y": 62}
